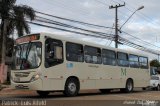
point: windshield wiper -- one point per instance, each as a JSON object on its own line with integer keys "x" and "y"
{"x": 27, "y": 53}
{"x": 16, "y": 60}
{"x": 28, "y": 50}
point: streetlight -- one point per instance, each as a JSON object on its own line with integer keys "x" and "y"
{"x": 131, "y": 16}
{"x": 116, "y": 21}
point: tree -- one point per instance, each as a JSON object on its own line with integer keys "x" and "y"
{"x": 13, "y": 18}
{"x": 10, "y": 46}
{"x": 155, "y": 63}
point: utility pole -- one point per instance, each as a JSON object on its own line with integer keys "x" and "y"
{"x": 116, "y": 22}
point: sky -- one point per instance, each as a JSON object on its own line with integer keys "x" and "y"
{"x": 144, "y": 24}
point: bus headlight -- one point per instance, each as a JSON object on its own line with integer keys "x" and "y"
{"x": 35, "y": 77}
{"x": 154, "y": 78}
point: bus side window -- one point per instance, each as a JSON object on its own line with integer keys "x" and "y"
{"x": 109, "y": 57}
{"x": 133, "y": 61}
{"x": 143, "y": 61}
{"x": 53, "y": 52}
{"x": 92, "y": 55}
{"x": 123, "y": 59}
{"x": 74, "y": 52}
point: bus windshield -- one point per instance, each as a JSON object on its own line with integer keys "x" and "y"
{"x": 27, "y": 56}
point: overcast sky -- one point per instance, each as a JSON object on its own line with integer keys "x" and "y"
{"x": 144, "y": 24}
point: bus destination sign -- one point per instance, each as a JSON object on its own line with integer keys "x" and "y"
{"x": 27, "y": 38}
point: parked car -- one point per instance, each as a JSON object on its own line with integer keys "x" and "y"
{"x": 155, "y": 79}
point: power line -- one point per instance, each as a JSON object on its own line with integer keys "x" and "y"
{"x": 145, "y": 17}
{"x": 108, "y": 37}
{"x": 141, "y": 41}
{"x": 69, "y": 26}
{"x": 107, "y": 4}
{"x": 131, "y": 44}
{"x": 111, "y": 40}
{"x": 84, "y": 23}
{"x": 123, "y": 40}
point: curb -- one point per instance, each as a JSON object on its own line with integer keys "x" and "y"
{"x": 2, "y": 87}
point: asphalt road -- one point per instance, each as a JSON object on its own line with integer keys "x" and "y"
{"x": 84, "y": 95}
{"x": 91, "y": 97}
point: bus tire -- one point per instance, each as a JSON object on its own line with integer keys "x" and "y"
{"x": 105, "y": 90}
{"x": 43, "y": 93}
{"x": 129, "y": 86}
{"x": 71, "y": 87}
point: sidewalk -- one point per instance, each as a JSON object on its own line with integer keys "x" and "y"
{"x": 7, "y": 90}
{"x": 4, "y": 86}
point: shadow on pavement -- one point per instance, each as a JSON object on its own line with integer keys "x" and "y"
{"x": 57, "y": 95}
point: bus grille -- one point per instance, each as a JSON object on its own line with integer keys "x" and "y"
{"x": 22, "y": 74}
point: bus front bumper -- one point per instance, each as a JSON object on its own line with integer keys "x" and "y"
{"x": 35, "y": 85}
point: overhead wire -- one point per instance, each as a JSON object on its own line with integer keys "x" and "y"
{"x": 83, "y": 23}
{"x": 68, "y": 26}
{"x": 93, "y": 25}
{"x": 100, "y": 35}
{"x": 111, "y": 40}
{"x": 141, "y": 41}
{"x": 125, "y": 41}
{"x": 62, "y": 29}
{"x": 121, "y": 39}
{"x": 140, "y": 14}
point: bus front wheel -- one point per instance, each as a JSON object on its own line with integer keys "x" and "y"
{"x": 71, "y": 87}
{"x": 43, "y": 93}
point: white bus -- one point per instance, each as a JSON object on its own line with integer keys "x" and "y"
{"x": 47, "y": 62}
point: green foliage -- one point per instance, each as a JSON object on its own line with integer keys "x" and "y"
{"x": 16, "y": 16}
{"x": 155, "y": 63}
{"x": 13, "y": 17}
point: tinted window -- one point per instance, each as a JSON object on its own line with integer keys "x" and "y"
{"x": 74, "y": 52}
{"x": 53, "y": 52}
{"x": 133, "y": 61}
{"x": 122, "y": 59}
{"x": 108, "y": 57}
{"x": 92, "y": 55}
{"x": 143, "y": 61}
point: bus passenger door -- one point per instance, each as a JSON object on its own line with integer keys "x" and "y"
{"x": 53, "y": 64}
